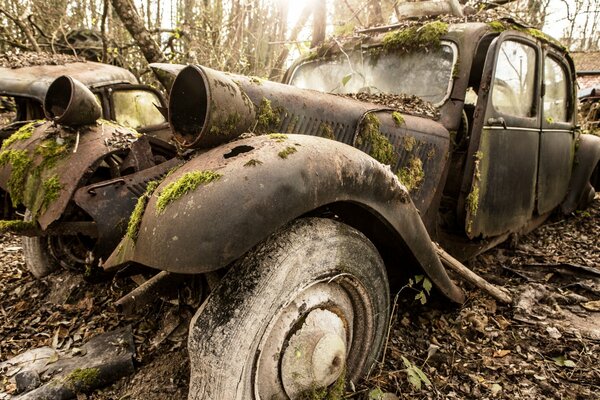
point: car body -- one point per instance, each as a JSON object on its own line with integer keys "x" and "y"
{"x": 313, "y": 201}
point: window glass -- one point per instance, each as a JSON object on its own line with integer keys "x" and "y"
{"x": 555, "y": 98}
{"x": 135, "y": 108}
{"x": 393, "y": 72}
{"x": 514, "y": 80}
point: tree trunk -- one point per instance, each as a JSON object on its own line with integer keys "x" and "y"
{"x": 278, "y": 67}
{"x": 135, "y": 26}
{"x": 319, "y": 23}
{"x": 375, "y": 17}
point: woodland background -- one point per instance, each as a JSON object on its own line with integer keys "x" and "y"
{"x": 254, "y": 37}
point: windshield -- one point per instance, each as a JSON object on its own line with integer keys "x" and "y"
{"x": 427, "y": 75}
{"x": 136, "y": 108}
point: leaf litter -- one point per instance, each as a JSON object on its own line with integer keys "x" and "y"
{"x": 434, "y": 351}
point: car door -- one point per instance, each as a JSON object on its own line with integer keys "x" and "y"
{"x": 557, "y": 138}
{"x": 499, "y": 185}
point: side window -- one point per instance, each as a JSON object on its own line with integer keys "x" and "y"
{"x": 557, "y": 91}
{"x": 514, "y": 80}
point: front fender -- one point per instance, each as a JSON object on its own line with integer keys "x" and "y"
{"x": 42, "y": 164}
{"x": 586, "y": 159}
{"x": 263, "y": 183}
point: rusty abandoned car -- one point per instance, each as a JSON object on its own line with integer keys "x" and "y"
{"x": 304, "y": 203}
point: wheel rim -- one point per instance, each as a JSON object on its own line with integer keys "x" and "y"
{"x": 321, "y": 335}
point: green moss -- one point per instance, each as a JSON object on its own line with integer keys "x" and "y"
{"x": 52, "y": 188}
{"x": 472, "y": 200}
{"x": 278, "y": 137}
{"x": 135, "y": 219}
{"x": 225, "y": 126}
{"x": 497, "y": 26}
{"x": 267, "y": 118}
{"x": 53, "y": 150}
{"x": 412, "y": 175}
{"x": 334, "y": 392}
{"x": 326, "y": 131}
{"x": 256, "y": 80}
{"x": 431, "y": 153}
{"x": 17, "y": 226}
{"x": 398, "y": 118}
{"x": 20, "y": 163}
{"x": 83, "y": 379}
{"x": 416, "y": 38}
{"x": 253, "y": 163}
{"x": 22, "y": 133}
{"x": 550, "y": 120}
{"x": 409, "y": 143}
{"x": 185, "y": 184}
{"x": 287, "y": 151}
{"x": 380, "y": 147}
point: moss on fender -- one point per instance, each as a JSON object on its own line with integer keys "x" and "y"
{"x": 135, "y": 219}
{"x": 187, "y": 183}
{"x": 23, "y": 133}
{"x": 20, "y": 163}
{"x": 287, "y": 151}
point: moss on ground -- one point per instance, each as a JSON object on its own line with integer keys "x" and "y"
{"x": 16, "y": 226}
{"x": 412, "y": 175}
{"x": 287, "y": 151}
{"x": 185, "y": 184}
{"x": 83, "y": 379}
{"x": 135, "y": 219}
{"x": 416, "y": 38}
{"x": 380, "y": 147}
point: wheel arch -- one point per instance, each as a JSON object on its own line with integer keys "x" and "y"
{"x": 261, "y": 184}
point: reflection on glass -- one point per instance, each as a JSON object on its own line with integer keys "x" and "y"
{"x": 555, "y": 98}
{"x": 136, "y": 108}
{"x": 514, "y": 79}
{"x": 424, "y": 74}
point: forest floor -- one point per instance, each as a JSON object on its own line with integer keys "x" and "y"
{"x": 545, "y": 346}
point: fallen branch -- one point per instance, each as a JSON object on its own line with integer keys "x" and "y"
{"x": 496, "y": 292}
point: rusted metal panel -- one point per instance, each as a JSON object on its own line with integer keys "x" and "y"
{"x": 65, "y": 154}
{"x": 34, "y": 81}
{"x": 263, "y": 184}
{"x": 110, "y": 203}
{"x": 416, "y": 145}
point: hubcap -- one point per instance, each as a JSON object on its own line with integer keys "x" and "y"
{"x": 315, "y": 355}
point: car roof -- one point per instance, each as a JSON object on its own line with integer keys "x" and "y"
{"x": 33, "y": 81}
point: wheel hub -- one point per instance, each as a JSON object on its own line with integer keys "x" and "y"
{"x": 315, "y": 356}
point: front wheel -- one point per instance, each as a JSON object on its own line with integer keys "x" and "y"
{"x": 298, "y": 317}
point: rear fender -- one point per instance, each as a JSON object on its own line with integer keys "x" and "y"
{"x": 52, "y": 161}
{"x": 263, "y": 183}
{"x": 587, "y": 159}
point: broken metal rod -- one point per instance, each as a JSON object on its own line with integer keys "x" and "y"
{"x": 159, "y": 285}
{"x": 496, "y": 292}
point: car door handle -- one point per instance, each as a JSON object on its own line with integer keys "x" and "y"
{"x": 497, "y": 122}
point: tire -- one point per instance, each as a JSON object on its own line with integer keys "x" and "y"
{"x": 37, "y": 257}
{"x": 45, "y": 254}
{"x": 305, "y": 310}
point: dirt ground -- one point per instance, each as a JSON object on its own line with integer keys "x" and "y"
{"x": 546, "y": 346}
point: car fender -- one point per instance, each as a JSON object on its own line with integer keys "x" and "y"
{"x": 587, "y": 158}
{"x": 259, "y": 184}
{"x": 60, "y": 155}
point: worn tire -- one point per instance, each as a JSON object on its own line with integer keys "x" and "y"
{"x": 37, "y": 257}
{"x": 317, "y": 284}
